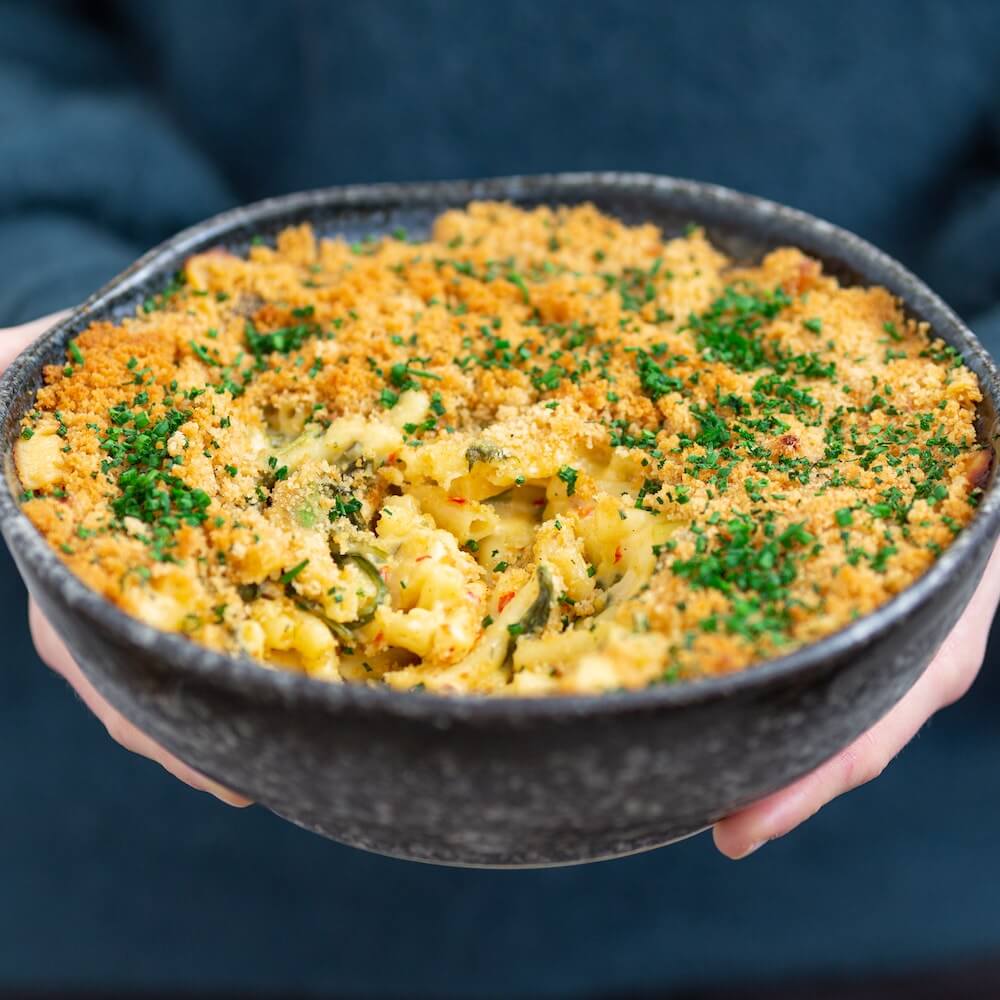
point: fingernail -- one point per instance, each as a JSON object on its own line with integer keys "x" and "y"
{"x": 752, "y": 849}
{"x": 230, "y": 798}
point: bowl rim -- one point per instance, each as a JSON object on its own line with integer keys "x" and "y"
{"x": 192, "y": 663}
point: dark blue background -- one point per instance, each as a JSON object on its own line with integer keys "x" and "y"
{"x": 119, "y": 123}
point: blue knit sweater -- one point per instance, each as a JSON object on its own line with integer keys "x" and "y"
{"x": 121, "y": 122}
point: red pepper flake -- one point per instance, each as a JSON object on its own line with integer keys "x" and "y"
{"x": 458, "y": 500}
{"x": 505, "y": 600}
{"x": 618, "y": 554}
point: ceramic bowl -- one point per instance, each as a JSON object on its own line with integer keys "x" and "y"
{"x": 505, "y": 781}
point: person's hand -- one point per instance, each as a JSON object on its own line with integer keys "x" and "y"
{"x": 55, "y": 654}
{"x": 947, "y": 678}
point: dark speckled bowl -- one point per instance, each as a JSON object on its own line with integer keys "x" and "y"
{"x": 505, "y": 782}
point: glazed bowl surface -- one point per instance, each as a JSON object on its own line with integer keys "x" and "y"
{"x": 505, "y": 782}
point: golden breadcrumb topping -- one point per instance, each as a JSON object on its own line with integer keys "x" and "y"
{"x": 539, "y": 452}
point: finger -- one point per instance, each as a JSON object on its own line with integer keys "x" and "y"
{"x": 54, "y": 653}
{"x": 15, "y": 339}
{"x": 957, "y": 662}
{"x": 946, "y": 679}
{"x": 749, "y": 829}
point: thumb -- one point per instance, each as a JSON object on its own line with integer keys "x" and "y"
{"x": 15, "y": 339}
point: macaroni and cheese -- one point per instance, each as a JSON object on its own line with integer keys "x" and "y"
{"x": 541, "y": 451}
